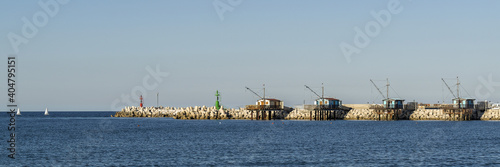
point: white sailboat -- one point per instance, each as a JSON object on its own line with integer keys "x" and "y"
{"x": 46, "y": 112}
{"x": 18, "y": 112}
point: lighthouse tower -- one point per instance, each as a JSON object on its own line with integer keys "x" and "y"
{"x": 141, "y": 100}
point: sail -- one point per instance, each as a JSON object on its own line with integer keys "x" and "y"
{"x": 18, "y": 112}
{"x": 46, "y": 111}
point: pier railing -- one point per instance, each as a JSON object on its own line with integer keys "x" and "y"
{"x": 262, "y": 107}
{"x": 377, "y": 107}
{"x": 321, "y": 107}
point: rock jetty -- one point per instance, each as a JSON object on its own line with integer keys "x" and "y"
{"x": 356, "y": 112}
{"x": 491, "y": 114}
{"x": 145, "y": 112}
{"x": 204, "y": 112}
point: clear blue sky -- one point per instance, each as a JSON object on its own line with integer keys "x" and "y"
{"x": 90, "y": 53}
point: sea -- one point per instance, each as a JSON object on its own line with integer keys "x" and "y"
{"x": 96, "y": 139}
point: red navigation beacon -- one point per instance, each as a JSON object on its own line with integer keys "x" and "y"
{"x": 141, "y": 100}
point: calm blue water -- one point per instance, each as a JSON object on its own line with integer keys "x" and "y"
{"x": 95, "y": 139}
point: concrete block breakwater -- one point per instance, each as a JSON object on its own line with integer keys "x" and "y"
{"x": 355, "y": 113}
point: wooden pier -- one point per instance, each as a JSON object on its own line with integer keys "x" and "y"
{"x": 262, "y": 112}
{"x": 457, "y": 114}
{"x": 386, "y": 113}
{"x": 319, "y": 112}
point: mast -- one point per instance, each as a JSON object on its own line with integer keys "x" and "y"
{"x": 388, "y": 88}
{"x": 322, "y": 96}
{"x": 264, "y": 85}
{"x": 457, "y": 97}
{"x": 458, "y": 88}
{"x": 322, "y": 91}
{"x": 458, "y": 93}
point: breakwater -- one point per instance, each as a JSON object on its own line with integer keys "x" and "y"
{"x": 204, "y": 112}
{"x": 491, "y": 114}
{"x": 355, "y": 112}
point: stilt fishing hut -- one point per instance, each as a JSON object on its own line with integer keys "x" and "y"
{"x": 323, "y": 108}
{"x": 264, "y": 108}
{"x": 462, "y": 108}
{"x": 391, "y": 109}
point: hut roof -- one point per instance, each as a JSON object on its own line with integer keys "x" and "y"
{"x": 328, "y": 98}
{"x": 270, "y": 99}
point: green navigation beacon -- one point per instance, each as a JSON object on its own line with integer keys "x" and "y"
{"x": 217, "y": 102}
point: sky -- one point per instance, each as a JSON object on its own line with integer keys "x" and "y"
{"x": 102, "y": 55}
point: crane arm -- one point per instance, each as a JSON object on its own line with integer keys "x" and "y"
{"x": 312, "y": 91}
{"x": 253, "y": 92}
{"x": 449, "y": 88}
{"x": 378, "y": 89}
